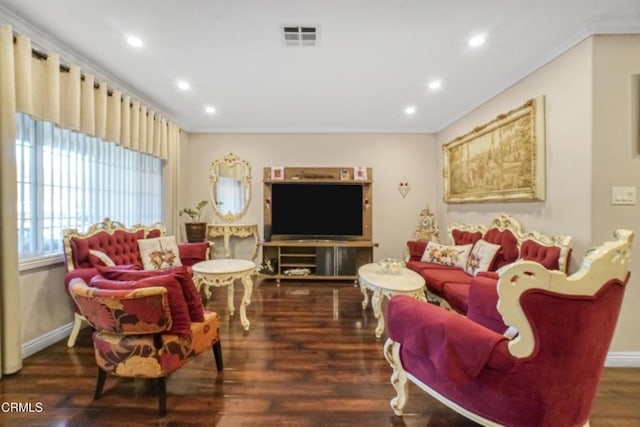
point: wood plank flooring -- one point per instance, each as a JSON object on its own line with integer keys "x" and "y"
{"x": 310, "y": 359}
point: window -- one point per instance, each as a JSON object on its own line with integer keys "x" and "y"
{"x": 70, "y": 180}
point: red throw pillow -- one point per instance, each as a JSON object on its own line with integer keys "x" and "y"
{"x": 189, "y": 292}
{"x": 181, "y": 324}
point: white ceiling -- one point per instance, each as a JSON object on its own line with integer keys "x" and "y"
{"x": 373, "y": 58}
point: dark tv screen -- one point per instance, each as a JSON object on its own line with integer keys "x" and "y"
{"x": 316, "y": 210}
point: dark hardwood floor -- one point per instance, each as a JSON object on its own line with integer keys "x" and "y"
{"x": 310, "y": 359}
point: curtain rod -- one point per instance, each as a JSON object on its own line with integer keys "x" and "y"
{"x": 65, "y": 68}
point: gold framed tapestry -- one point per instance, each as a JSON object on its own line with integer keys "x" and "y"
{"x": 500, "y": 161}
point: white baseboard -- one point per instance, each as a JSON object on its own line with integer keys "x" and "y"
{"x": 623, "y": 359}
{"x": 44, "y": 341}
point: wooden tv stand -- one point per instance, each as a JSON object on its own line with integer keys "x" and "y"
{"x": 337, "y": 259}
{"x": 325, "y": 259}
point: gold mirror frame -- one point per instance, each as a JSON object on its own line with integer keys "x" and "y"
{"x": 230, "y": 161}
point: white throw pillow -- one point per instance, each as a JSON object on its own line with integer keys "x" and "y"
{"x": 104, "y": 258}
{"x": 446, "y": 255}
{"x": 481, "y": 257}
{"x": 161, "y": 252}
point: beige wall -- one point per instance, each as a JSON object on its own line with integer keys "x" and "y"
{"x": 566, "y": 85}
{"x": 590, "y": 147}
{"x": 615, "y": 159}
{"x": 391, "y": 156}
{"x": 44, "y": 305}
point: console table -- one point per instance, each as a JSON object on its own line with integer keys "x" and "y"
{"x": 238, "y": 230}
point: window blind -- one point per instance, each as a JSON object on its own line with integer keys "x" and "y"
{"x": 70, "y": 180}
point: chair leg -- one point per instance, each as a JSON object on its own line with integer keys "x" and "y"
{"x": 217, "y": 354}
{"x": 102, "y": 376}
{"x": 162, "y": 396}
{"x": 77, "y": 324}
{"x": 398, "y": 377}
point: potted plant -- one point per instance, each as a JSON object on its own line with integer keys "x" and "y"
{"x": 195, "y": 228}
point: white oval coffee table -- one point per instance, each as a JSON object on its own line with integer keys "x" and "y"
{"x": 224, "y": 272}
{"x": 382, "y": 283}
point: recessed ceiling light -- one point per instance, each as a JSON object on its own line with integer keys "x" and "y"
{"x": 477, "y": 40}
{"x": 134, "y": 41}
{"x": 410, "y": 110}
{"x": 183, "y": 85}
{"x": 209, "y": 109}
{"x": 435, "y": 84}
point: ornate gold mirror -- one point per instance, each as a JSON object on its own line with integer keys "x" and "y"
{"x": 230, "y": 179}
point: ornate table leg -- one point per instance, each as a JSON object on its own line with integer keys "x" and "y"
{"x": 419, "y": 295}
{"x": 230, "y": 292}
{"x": 204, "y": 289}
{"x": 246, "y": 300}
{"x": 227, "y": 248}
{"x": 376, "y": 302}
{"x": 365, "y": 299}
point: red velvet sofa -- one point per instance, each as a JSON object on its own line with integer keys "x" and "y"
{"x": 548, "y": 375}
{"x": 475, "y": 295}
{"x": 120, "y": 245}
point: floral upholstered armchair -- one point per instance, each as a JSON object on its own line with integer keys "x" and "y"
{"x": 545, "y": 375}
{"x": 138, "y": 333}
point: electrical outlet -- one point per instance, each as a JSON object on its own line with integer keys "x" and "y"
{"x": 623, "y": 195}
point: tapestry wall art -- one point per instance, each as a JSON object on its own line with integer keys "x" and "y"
{"x": 500, "y": 161}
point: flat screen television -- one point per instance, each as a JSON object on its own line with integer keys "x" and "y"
{"x": 313, "y": 211}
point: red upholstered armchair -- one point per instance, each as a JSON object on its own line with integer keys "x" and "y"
{"x": 110, "y": 242}
{"x": 141, "y": 332}
{"x": 547, "y": 375}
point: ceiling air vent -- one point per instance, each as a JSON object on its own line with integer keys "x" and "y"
{"x": 300, "y": 35}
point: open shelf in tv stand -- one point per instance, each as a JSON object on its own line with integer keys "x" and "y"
{"x": 337, "y": 259}
{"x": 326, "y": 259}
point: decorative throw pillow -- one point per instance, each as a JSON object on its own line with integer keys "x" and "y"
{"x": 100, "y": 258}
{"x": 189, "y": 291}
{"x": 181, "y": 323}
{"x": 446, "y": 255}
{"x": 158, "y": 253}
{"x": 481, "y": 257}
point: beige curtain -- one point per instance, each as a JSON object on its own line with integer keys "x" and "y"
{"x": 170, "y": 176}
{"x": 10, "y": 340}
{"x": 72, "y": 100}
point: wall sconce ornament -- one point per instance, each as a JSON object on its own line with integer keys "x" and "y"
{"x": 404, "y": 187}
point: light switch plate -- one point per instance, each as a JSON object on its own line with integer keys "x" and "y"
{"x": 623, "y": 195}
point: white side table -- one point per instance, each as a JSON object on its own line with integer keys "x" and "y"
{"x": 224, "y": 272}
{"x": 382, "y": 283}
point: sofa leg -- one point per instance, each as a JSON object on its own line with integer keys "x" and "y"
{"x": 77, "y": 325}
{"x": 398, "y": 377}
{"x": 217, "y": 354}
{"x": 102, "y": 376}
